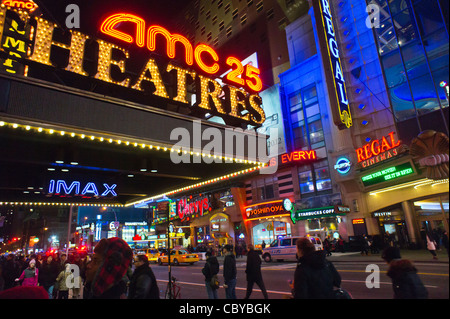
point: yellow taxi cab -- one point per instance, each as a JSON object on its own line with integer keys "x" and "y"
{"x": 151, "y": 253}
{"x": 178, "y": 256}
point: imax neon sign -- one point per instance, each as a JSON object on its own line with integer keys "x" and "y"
{"x": 60, "y": 187}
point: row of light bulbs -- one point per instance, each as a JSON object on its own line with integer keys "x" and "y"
{"x": 135, "y": 144}
{"x": 120, "y": 142}
{"x": 59, "y": 204}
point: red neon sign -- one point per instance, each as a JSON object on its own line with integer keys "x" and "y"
{"x": 298, "y": 156}
{"x": 200, "y": 54}
{"x": 27, "y": 5}
{"x": 188, "y": 208}
{"x": 377, "y": 147}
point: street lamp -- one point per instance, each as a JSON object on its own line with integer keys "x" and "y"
{"x": 170, "y": 228}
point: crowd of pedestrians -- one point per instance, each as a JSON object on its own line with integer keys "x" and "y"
{"x": 113, "y": 272}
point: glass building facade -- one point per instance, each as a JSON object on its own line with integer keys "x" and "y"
{"x": 412, "y": 39}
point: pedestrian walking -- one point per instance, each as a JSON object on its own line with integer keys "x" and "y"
{"x": 445, "y": 241}
{"x": 47, "y": 276}
{"x": 406, "y": 282}
{"x": 253, "y": 271}
{"x": 105, "y": 272}
{"x": 229, "y": 272}
{"x": 431, "y": 246}
{"x": 364, "y": 245}
{"x": 29, "y": 276}
{"x": 143, "y": 283}
{"x": 61, "y": 282}
{"x": 210, "y": 271}
{"x": 315, "y": 277}
{"x": 327, "y": 246}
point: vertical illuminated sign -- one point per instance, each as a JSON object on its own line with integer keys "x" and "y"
{"x": 332, "y": 64}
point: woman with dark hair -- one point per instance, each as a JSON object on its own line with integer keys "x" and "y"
{"x": 315, "y": 277}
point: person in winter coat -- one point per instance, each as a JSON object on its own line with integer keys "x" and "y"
{"x": 47, "y": 276}
{"x": 431, "y": 246}
{"x": 143, "y": 283}
{"x": 10, "y": 271}
{"x": 29, "y": 276}
{"x": 61, "y": 280}
{"x": 210, "y": 269}
{"x": 229, "y": 272}
{"x": 405, "y": 281}
{"x": 315, "y": 277}
{"x": 253, "y": 271}
{"x": 105, "y": 272}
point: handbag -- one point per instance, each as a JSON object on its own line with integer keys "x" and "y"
{"x": 214, "y": 283}
{"x": 342, "y": 294}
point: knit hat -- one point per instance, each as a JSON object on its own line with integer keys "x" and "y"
{"x": 391, "y": 253}
{"x": 117, "y": 258}
{"x": 32, "y": 261}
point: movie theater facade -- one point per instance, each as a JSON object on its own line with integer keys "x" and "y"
{"x": 120, "y": 121}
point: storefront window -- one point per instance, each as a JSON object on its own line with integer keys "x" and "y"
{"x": 265, "y": 188}
{"x": 128, "y": 233}
{"x": 433, "y": 214}
{"x": 323, "y": 178}
{"x": 306, "y": 182}
{"x": 269, "y": 231}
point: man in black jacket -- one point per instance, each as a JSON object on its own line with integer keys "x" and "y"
{"x": 229, "y": 272}
{"x": 315, "y": 277}
{"x": 210, "y": 269}
{"x": 143, "y": 283}
{"x": 253, "y": 271}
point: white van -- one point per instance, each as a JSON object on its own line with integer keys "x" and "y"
{"x": 285, "y": 248}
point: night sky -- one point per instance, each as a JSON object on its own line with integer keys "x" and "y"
{"x": 161, "y": 12}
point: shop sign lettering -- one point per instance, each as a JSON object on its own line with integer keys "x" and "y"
{"x": 265, "y": 209}
{"x": 341, "y": 114}
{"x": 378, "y": 150}
{"x": 188, "y": 208}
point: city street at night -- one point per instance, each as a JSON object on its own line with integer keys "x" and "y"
{"x": 277, "y": 275}
{"x": 302, "y": 143}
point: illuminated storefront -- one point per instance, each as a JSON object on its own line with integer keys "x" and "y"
{"x": 267, "y": 221}
{"x": 322, "y": 222}
{"x": 407, "y": 194}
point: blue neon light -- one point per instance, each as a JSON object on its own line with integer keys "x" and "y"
{"x": 60, "y": 187}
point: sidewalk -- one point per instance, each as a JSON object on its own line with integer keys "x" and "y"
{"x": 420, "y": 255}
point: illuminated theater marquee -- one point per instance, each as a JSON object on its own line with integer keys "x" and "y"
{"x": 235, "y": 104}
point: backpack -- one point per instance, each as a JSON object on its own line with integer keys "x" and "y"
{"x": 214, "y": 283}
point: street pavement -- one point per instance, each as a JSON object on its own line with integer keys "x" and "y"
{"x": 352, "y": 267}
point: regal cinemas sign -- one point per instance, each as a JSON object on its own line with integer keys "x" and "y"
{"x": 28, "y": 42}
{"x": 378, "y": 150}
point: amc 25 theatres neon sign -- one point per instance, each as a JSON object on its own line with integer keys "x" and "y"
{"x": 24, "y": 38}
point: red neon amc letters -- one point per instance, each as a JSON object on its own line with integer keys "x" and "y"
{"x": 200, "y": 53}
{"x": 376, "y": 147}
